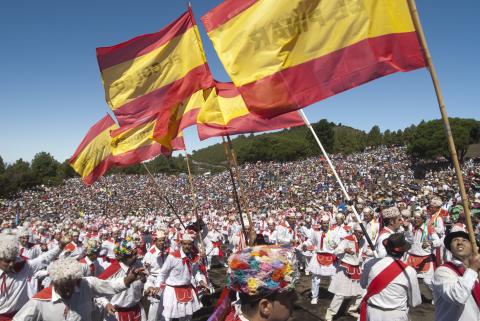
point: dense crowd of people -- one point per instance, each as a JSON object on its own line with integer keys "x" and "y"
{"x": 93, "y": 253}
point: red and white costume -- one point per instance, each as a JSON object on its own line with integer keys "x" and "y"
{"x": 179, "y": 277}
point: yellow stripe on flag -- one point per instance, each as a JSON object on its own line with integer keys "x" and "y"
{"x": 170, "y": 62}
{"x": 134, "y": 138}
{"x": 221, "y": 110}
{"x": 285, "y": 33}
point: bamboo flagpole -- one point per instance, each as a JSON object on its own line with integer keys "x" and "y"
{"x": 194, "y": 196}
{"x": 235, "y": 194}
{"x": 164, "y": 197}
{"x": 446, "y": 122}
{"x": 240, "y": 185}
{"x": 367, "y": 237}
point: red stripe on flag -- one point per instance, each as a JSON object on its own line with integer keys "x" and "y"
{"x": 139, "y": 155}
{"x": 304, "y": 84}
{"x": 224, "y": 12}
{"x": 249, "y": 123}
{"x": 189, "y": 118}
{"x": 94, "y": 131}
{"x": 226, "y": 89}
{"x": 163, "y": 99}
{"x": 98, "y": 171}
{"x": 137, "y": 124}
{"x": 111, "y": 56}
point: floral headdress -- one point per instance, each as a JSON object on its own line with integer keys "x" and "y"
{"x": 124, "y": 248}
{"x": 262, "y": 270}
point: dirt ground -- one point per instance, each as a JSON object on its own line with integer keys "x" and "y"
{"x": 304, "y": 311}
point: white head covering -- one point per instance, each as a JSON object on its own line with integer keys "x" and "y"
{"x": 437, "y": 202}
{"x": 390, "y": 212}
{"x": 65, "y": 269}
{"x": 9, "y": 246}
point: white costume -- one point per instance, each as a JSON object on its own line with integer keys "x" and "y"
{"x": 178, "y": 276}
{"x": 47, "y": 305}
{"x": 394, "y": 301}
{"x": 453, "y": 294}
{"x": 154, "y": 258}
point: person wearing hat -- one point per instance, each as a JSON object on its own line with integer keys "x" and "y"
{"x": 346, "y": 281}
{"x": 263, "y": 278}
{"x": 74, "y": 249}
{"x": 179, "y": 277}
{"x": 213, "y": 246}
{"x": 340, "y": 230}
{"x": 90, "y": 264}
{"x": 71, "y": 295}
{"x": 391, "y": 285}
{"x": 15, "y": 273}
{"x": 392, "y": 220}
{"x": 322, "y": 263}
{"x": 28, "y": 250}
{"x": 456, "y": 283}
{"x": 153, "y": 261}
{"x": 124, "y": 306}
{"x": 436, "y": 223}
{"x": 271, "y": 233}
{"x": 424, "y": 242}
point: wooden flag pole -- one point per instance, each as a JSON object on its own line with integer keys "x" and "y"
{"x": 240, "y": 185}
{"x": 446, "y": 122}
{"x": 194, "y": 196}
{"x": 164, "y": 197}
{"x": 367, "y": 237}
{"x": 237, "y": 201}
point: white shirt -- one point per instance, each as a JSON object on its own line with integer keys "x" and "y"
{"x": 453, "y": 295}
{"x": 316, "y": 241}
{"x": 379, "y": 247}
{"x": 403, "y": 292}
{"x": 16, "y": 283}
{"x": 421, "y": 235}
{"x": 127, "y": 298}
{"x": 78, "y": 308}
{"x": 174, "y": 272}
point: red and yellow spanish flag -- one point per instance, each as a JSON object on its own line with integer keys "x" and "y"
{"x": 225, "y": 113}
{"x": 131, "y": 144}
{"x": 92, "y": 158}
{"x": 286, "y": 54}
{"x": 152, "y": 74}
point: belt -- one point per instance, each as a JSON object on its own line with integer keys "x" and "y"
{"x": 381, "y": 308}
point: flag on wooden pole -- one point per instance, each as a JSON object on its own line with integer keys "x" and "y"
{"x": 92, "y": 158}
{"x": 225, "y": 113}
{"x": 153, "y": 73}
{"x": 287, "y": 54}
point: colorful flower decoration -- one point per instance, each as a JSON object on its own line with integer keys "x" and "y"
{"x": 262, "y": 270}
{"x": 124, "y": 248}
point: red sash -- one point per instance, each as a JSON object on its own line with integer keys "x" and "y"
{"x": 460, "y": 270}
{"x": 420, "y": 263}
{"x": 219, "y": 246}
{"x": 129, "y": 314}
{"x": 326, "y": 259}
{"x": 183, "y": 293}
{"x": 111, "y": 270}
{"x": 352, "y": 271}
{"x": 7, "y": 316}
{"x": 44, "y": 295}
{"x": 379, "y": 283}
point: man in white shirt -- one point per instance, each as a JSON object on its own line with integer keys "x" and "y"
{"x": 392, "y": 220}
{"x": 346, "y": 281}
{"x": 124, "y": 306}
{"x": 322, "y": 264}
{"x": 178, "y": 278}
{"x": 15, "y": 272}
{"x": 153, "y": 261}
{"x": 456, "y": 283}
{"x": 392, "y": 286}
{"x": 71, "y": 296}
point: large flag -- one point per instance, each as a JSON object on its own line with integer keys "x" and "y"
{"x": 225, "y": 113}
{"x": 131, "y": 144}
{"x": 92, "y": 158}
{"x": 152, "y": 74}
{"x": 286, "y": 54}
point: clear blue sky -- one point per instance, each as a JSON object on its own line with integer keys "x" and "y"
{"x": 51, "y": 91}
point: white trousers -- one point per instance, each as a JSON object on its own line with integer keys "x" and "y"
{"x": 155, "y": 311}
{"x": 316, "y": 280}
{"x": 337, "y": 303}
